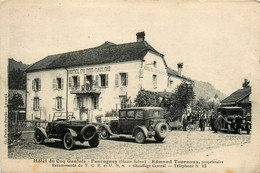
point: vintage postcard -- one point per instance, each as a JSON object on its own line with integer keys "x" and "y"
{"x": 130, "y": 86}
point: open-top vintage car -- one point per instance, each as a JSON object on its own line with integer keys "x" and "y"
{"x": 234, "y": 120}
{"x": 140, "y": 122}
{"x": 66, "y": 128}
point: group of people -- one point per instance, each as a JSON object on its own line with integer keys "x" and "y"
{"x": 215, "y": 121}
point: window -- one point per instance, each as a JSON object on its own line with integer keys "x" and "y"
{"x": 124, "y": 79}
{"x": 75, "y": 81}
{"x": 154, "y": 81}
{"x": 103, "y": 80}
{"x": 130, "y": 114}
{"x": 139, "y": 114}
{"x": 95, "y": 102}
{"x": 58, "y": 103}
{"x": 58, "y": 83}
{"x": 156, "y": 113}
{"x": 80, "y": 102}
{"x": 36, "y": 105}
{"x": 122, "y": 114}
{"x": 36, "y": 84}
{"x": 155, "y": 64}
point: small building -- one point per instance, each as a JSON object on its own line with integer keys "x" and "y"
{"x": 93, "y": 81}
{"x": 240, "y": 98}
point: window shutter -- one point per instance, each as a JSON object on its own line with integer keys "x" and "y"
{"x": 54, "y": 84}
{"x": 106, "y": 84}
{"x": 33, "y": 85}
{"x": 97, "y": 80}
{"x": 78, "y": 82}
{"x": 39, "y": 84}
{"x": 116, "y": 80}
{"x": 126, "y": 79}
{"x": 62, "y": 83}
{"x": 70, "y": 82}
{"x": 84, "y": 79}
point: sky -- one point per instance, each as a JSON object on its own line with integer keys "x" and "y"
{"x": 217, "y": 42}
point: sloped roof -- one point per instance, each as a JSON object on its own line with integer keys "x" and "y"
{"x": 237, "y": 96}
{"x": 105, "y": 53}
{"x": 172, "y": 72}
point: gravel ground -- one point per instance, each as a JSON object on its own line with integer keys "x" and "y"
{"x": 177, "y": 143}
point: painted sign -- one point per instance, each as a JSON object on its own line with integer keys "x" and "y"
{"x": 90, "y": 70}
{"x": 154, "y": 70}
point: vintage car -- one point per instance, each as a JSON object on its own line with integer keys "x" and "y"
{"x": 67, "y": 129}
{"x": 140, "y": 122}
{"x": 234, "y": 120}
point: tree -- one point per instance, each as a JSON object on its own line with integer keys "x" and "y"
{"x": 179, "y": 100}
{"x": 15, "y": 101}
{"x": 147, "y": 98}
{"x": 16, "y": 79}
{"x": 173, "y": 104}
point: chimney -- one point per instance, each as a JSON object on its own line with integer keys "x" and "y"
{"x": 180, "y": 65}
{"x": 140, "y": 36}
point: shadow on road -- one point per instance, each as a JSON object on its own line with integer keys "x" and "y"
{"x": 131, "y": 140}
{"x": 59, "y": 144}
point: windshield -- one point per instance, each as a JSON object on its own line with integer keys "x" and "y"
{"x": 62, "y": 116}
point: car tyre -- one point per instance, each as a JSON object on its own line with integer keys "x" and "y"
{"x": 158, "y": 139}
{"x": 68, "y": 141}
{"x": 161, "y": 130}
{"x": 139, "y": 136}
{"x": 94, "y": 142}
{"x": 104, "y": 134}
{"x": 38, "y": 137}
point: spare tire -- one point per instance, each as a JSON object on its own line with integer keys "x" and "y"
{"x": 161, "y": 130}
{"x": 88, "y": 132}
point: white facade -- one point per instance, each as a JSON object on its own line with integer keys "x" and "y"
{"x": 93, "y": 90}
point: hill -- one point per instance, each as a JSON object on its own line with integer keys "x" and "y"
{"x": 207, "y": 91}
{"x": 12, "y": 64}
{"x": 16, "y": 75}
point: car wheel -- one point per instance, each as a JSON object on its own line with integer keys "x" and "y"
{"x": 104, "y": 134}
{"x": 139, "y": 136}
{"x": 68, "y": 141}
{"x": 161, "y": 130}
{"x": 158, "y": 139}
{"x": 38, "y": 137}
{"x": 94, "y": 142}
{"x": 248, "y": 131}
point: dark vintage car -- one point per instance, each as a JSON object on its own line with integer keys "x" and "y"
{"x": 66, "y": 128}
{"x": 234, "y": 120}
{"x": 140, "y": 122}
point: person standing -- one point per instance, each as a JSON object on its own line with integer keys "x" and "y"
{"x": 202, "y": 122}
{"x": 184, "y": 121}
{"x": 217, "y": 123}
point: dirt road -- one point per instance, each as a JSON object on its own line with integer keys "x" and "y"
{"x": 176, "y": 143}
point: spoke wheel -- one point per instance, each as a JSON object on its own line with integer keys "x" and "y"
{"x": 68, "y": 141}
{"x": 139, "y": 136}
{"x": 94, "y": 142}
{"x": 104, "y": 133}
{"x": 38, "y": 137}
